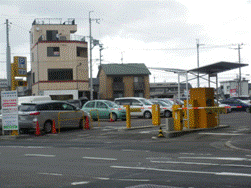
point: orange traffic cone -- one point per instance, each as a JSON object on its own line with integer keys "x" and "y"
{"x": 111, "y": 120}
{"x": 37, "y": 133}
{"x": 87, "y": 123}
{"x": 53, "y": 131}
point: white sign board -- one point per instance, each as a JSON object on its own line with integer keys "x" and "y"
{"x": 22, "y": 62}
{"x": 3, "y": 83}
{"x": 9, "y": 110}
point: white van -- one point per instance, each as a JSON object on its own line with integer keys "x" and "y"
{"x": 30, "y": 99}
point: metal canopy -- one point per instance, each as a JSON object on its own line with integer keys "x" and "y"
{"x": 218, "y": 67}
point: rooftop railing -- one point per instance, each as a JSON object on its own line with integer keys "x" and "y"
{"x": 53, "y": 21}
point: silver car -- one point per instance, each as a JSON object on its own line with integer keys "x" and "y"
{"x": 43, "y": 113}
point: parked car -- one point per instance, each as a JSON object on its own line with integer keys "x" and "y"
{"x": 237, "y": 104}
{"x": 138, "y": 102}
{"x": 228, "y": 107}
{"x": 78, "y": 102}
{"x": 167, "y": 100}
{"x": 104, "y": 108}
{"x": 44, "y": 112}
{"x": 243, "y": 98}
{"x": 164, "y": 106}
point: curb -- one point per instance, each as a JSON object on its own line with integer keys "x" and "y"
{"x": 172, "y": 134}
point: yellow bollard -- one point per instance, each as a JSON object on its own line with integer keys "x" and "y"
{"x": 155, "y": 114}
{"x": 128, "y": 116}
{"x": 178, "y": 118}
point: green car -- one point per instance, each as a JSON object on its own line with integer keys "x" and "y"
{"x": 104, "y": 109}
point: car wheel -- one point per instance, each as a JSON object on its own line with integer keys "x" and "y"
{"x": 147, "y": 115}
{"x": 81, "y": 124}
{"x": 114, "y": 117}
{"x": 168, "y": 114}
{"x": 48, "y": 126}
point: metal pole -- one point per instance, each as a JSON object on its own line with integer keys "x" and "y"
{"x": 187, "y": 100}
{"x": 239, "y": 56}
{"x": 217, "y": 94}
{"x": 208, "y": 80}
{"x": 90, "y": 36}
{"x": 8, "y": 63}
{"x": 198, "y": 64}
{"x": 179, "y": 86}
{"x": 100, "y": 56}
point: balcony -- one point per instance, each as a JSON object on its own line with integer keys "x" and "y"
{"x": 139, "y": 86}
{"x": 118, "y": 86}
{"x": 62, "y": 38}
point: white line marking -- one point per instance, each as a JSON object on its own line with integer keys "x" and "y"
{"x": 132, "y": 179}
{"x": 29, "y": 147}
{"x": 145, "y": 132}
{"x": 195, "y": 154}
{"x": 38, "y": 155}
{"x": 209, "y": 164}
{"x": 99, "y": 158}
{"x": 133, "y": 150}
{"x": 79, "y": 183}
{"x": 222, "y": 134}
{"x": 52, "y": 174}
{"x": 232, "y": 174}
{"x": 218, "y": 158}
{"x": 183, "y": 171}
{"x": 100, "y": 178}
{"x": 157, "y": 158}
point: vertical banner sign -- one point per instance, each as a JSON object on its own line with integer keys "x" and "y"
{"x": 9, "y": 110}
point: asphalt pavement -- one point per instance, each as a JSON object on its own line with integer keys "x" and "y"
{"x": 143, "y": 129}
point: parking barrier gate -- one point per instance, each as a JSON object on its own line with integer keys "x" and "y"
{"x": 65, "y": 119}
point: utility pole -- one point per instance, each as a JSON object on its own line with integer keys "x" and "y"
{"x": 8, "y": 63}
{"x": 91, "y": 46}
{"x": 239, "y": 60}
{"x": 100, "y": 49}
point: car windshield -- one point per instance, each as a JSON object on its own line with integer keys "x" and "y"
{"x": 111, "y": 104}
{"x": 163, "y": 103}
{"x": 168, "y": 101}
{"x": 26, "y": 108}
{"x": 146, "y": 102}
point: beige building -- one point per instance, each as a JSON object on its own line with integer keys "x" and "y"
{"x": 59, "y": 65}
{"x": 123, "y": 80}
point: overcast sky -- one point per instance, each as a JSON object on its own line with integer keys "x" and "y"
{"x": 157, "y": 33}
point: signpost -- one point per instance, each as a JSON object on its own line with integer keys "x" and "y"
{"x": 9, "y": 110}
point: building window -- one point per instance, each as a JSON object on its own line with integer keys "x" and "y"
{"x": 51, "y": 35}
{"x": 53, "y": 51}
{"x": 81, "y": 52}
{"x": 60, "y": 74}
{"x": 32, "y": 57}
{"x": 118, "y": 79}
{"x": 138, "y": 79}
{"x": 33, "y": 77}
